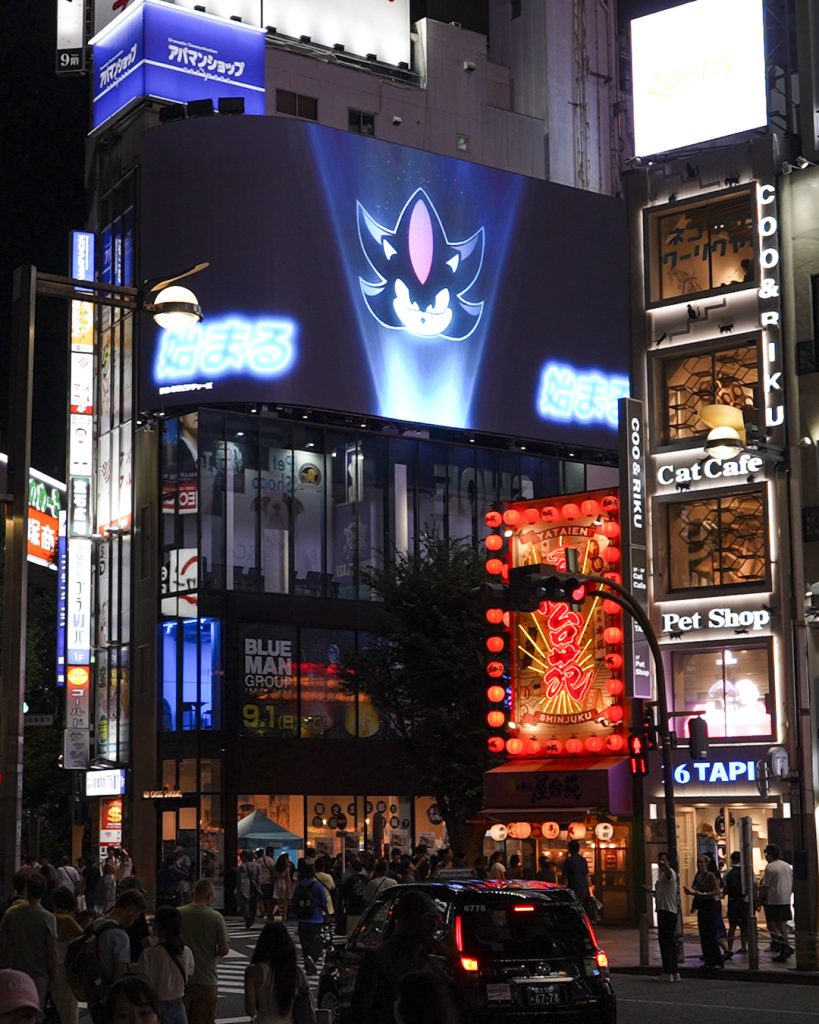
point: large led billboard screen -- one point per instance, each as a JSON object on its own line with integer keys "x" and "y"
{"x": 698, "y": 73}
{"x": 355, "y": 275}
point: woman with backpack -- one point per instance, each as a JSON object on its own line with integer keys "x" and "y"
{"x": 309, "y": 904}
{"x": 274, "y": 984}
{"x": 168, "y": 965}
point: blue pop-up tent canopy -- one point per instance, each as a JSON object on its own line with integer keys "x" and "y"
{"x": 257, "y": 830}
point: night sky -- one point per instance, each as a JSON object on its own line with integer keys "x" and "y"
{"x": 42, "y": 132}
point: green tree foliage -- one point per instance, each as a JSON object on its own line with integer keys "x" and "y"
{"x": 426, "y": 675}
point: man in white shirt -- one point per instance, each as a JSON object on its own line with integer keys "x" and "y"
{"x": 668, "y": 909}
{"x": 775, "y": 895}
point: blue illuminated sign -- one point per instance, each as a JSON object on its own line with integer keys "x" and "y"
{"x": 570, "y": 395}
{"x": 219, "y": 348}
{"x": 422, "y": 276}
{"x": 156, "y": 49}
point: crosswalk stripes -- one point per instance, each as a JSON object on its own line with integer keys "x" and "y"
{"x": 231, "y": 969}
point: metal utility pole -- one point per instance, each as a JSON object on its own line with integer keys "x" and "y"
{"x": 15, "y": 583}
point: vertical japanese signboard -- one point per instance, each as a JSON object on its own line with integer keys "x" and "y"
{"x": 633, "y": 522}
{"x": 79, "y": 595}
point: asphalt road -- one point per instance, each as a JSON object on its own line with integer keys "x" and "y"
{"x": 641, "y": 999}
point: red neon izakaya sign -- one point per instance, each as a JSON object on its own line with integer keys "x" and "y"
{"x": 563, "y": 666}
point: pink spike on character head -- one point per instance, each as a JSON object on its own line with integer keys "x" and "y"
{"x": 420, "y": 241}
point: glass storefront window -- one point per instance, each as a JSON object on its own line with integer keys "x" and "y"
{"x": 276, "y": 507}
{"x": 326, "y": 710}
{"x": 388, "y": 821}
{"x": 717, "y": 542}
{"x": 345, "y": 489}
{"x": 729, "y": 377}
{"x": 429, "y": 826}
{"x": 729, "y": 685}
{"x": 698, "y": 248}
{"x": 191, "y": 657}
{"x": 401, "y": 491}
{"x": 335, "y": 824}
{"x": 269, "y": 819}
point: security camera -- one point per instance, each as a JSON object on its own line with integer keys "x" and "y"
{"x": 469, "y": 65}
{"x": 396, "y": 120}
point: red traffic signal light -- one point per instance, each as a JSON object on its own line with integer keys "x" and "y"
{"x": 649, "y": 729}
{"x": 637, "y": 754}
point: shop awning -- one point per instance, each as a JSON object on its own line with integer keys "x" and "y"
{"x": 534, "y": 790}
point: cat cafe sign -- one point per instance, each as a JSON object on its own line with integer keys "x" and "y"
{"x": 690, "y": 471}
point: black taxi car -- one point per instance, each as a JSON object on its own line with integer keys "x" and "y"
{"x": 517, "y": 951}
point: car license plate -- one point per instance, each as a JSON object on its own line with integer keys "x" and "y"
{"x": 499, "y": 993}
{"x": 543, "y": 995}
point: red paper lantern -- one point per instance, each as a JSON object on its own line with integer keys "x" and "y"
{"x": 589, "y": 507}
{"x": 495, "y": 744}
{"x": 511, "y": 517}
{"x": 611, "y": 529}
{"x": 494, "y": 669}
{"x": 493, "y": 520}
{"x": 570, "y": 512}
{"x": 615, "y": 742}
{"x": 494, "y": 615}
{"x": 615, "y": 577}
{"x": 594, "y": 744}
{"x": 496, "y": 694}
{"x": 549, "y": 513}
{"x": 613, "y": 661}
{"x": 494, "y": 542}
{"x": 494, "y": 644}
{"x": 611, "y": 555}
{"x": 553, "y": 746}
{"x": 514, "y": 746}
{"x": 531, "y": 515}
{"x": 614, "y": 686}
{"x": 610, "y": 503}
{"x": 533, "y": 747}
{"x": 611, "y": 635}
{"x": 494, "y": 566}
{"x": 611, "y": 607}
{"x": 496, "y": 719}
{"x": 505, "y": 573}
{"x": 574, "y": 745}
{"x": 615, "y": 713}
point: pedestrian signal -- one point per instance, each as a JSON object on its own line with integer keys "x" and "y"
{"x": 638, "y": 761}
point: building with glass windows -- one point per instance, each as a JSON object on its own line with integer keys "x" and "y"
{"x": 399, "y": 333}
{"x": 718, "y": 299}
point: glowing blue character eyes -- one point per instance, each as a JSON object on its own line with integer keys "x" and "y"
{"x": 217, "y": 348}
{"x": 422, "y": 276}
{"x": 567, "y": 394}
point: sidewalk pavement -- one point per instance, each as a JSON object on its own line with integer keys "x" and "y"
{"x": 622, "y": 944}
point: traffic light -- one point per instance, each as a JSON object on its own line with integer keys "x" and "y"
{"x": 566, "y": 587}
{"x": 637, "y": 754}
{"x": 698, "y": 738}
{"x": 524, "y": 588}
{"x": 649, "y": 729}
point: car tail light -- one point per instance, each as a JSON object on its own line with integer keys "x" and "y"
{"x": 523, "y": 908}
{"x": 469, "y": 964}
{"x": 602, "y": 959}
{"x": 459, "y": 934}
